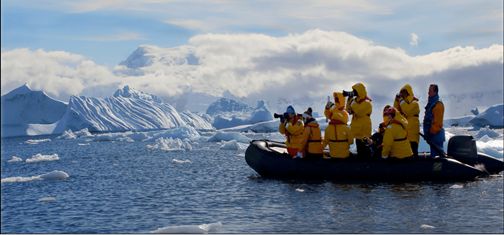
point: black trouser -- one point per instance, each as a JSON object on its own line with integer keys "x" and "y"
{"x": 414, "y": 148}
{"x": 363, "y": 151}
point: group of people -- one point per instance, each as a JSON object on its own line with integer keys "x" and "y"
{"x": 397, "y": 137}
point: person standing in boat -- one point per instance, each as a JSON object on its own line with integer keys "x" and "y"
{"x": 407, "y": 105}
{"x": 292, "y": 127}
{"x": 337, "y": 134}
{"x": 433, "y": 121}
{"x": 385, "y": 114}
{"x": 311, "y": 142}
{"x": 395, "y": 140}
{"x": 360, "y": 108}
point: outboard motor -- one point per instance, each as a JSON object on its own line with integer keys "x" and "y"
{"x": 463, "y": 149}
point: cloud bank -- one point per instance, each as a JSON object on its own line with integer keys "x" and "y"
{"x": 311, "y": 65}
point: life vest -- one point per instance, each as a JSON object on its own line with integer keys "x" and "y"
{"x": 335, "y": 123}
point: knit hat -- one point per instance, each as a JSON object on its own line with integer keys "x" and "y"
{"x": 290, "y": 109}
{"x": 308, "y": 112}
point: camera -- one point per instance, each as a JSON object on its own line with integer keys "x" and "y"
{"x": 350, "y": 93}
{"x": 399, "y": 96}
{"x": 283, "y": 115}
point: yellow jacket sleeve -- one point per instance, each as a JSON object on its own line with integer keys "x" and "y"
{"x": 327, "y": 111}
{"x": 437, "y": 123}
{"x": 281, "y": 127}
{"x": 362, "y": 109}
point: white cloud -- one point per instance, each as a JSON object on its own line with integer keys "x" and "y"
{"x": 190, "y": 24}
{"x": 414, "y": 39}
{"x": 311, "y": 65}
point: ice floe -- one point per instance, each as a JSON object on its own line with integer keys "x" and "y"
{"x": 204, "y": 228}
{"x": 54, "y": 175}
{"x": 42, "y": 158}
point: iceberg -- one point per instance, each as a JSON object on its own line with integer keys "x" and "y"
{"x": 228, "y": 136}
{"x": 198, "y": 122}
{"x": 23, "y": 106}
{"x": 228, "y": 113}
{"x": 493, "y": 117}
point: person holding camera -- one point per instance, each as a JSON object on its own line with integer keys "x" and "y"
{"x": 337, "y": 134}
{"x": 407, "y": 104}
{"x": 395, "y": 139}
{"x": 311, "y": 141}
{"x": 433, "y": 121}
{"x": 291, "y": 125}
{"x": 360, "y": 108}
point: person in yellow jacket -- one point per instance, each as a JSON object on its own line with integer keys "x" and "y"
{"x": 395, "y": 140}
{"x": 360, "y": 108}
{"x": 292, "y": 127}
{"x": 385, "y": 114}
{"x": 335, "y": 107}
{"x": 337, "y": 134}
{"x": 407, "y": 104}
{"x": 311, "y": 143}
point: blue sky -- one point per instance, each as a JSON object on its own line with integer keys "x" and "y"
{"x": 106, "y": 32}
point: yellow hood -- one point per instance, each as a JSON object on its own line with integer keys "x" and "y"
{"x": 400, "y": 118}
{"x": 341, "y": 99}
{"x": 361, "y": 90}
{"x": 340, "y": 115}
{"x": 385, "y": 116}
{"x": 409, "y": 89}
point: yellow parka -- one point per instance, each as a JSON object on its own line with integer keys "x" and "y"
{"x": 336, "y": 107}
{"x": 311, "y": 139}
{"x": 293, "y": 130}
{"x": 409, "y": 109}
{"x": 395, "y": 139}
{"x": 385, "y": 115}
{"x": 360, "y": 108}
{"x": 338, "y": 136}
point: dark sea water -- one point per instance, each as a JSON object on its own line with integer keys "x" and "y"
{"x": 120, "y": 187}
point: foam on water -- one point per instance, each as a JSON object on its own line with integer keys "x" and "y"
{"x": 54, "y": 175}
{"x": 204, "y": 228}
{"x": 42, "y": 158}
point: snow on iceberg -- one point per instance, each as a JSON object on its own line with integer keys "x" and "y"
{"x": 127, "y": 110}
{"x": 493, "y": 117}
{"x": 54, "y": 175}
{"x": 42, "y": 158}
{"x": 228, "y": 113}
{"x": 198, "y": 122}
{"x": 23, "y": 106}
{"x": 228, "y": 136}
{"x": 67, "y": 135}
{"x": 204, "y": 228}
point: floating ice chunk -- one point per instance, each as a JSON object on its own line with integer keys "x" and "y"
{"x": 231, "y": 145}
{"x": 169, "y": 144}
{"x": 183, "y": 132}
{"x": 485, "y": 138}
{"x": 68, "y": 134}
{"x": 83, "y": 133}
{"x": 47, "y": 199}
{"x": 488, "y": 132}
{"x": 227, "y": 136}
{"x": 37, "y": 141}
{"x": 83, "y": 144}
{"x": 204, "y": 228}
{"x": 179, "y": 161}
{"x": 138, "y": 136}
{"x": 15, "y": 159}
{"x": 42, "y": 158}
{"x": 299, "y": 190}
{"x": 427, "y": 226}
{"x": 457, "y": 186}
{"x": 55, "y": 175}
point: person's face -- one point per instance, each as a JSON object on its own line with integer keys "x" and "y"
{"x": 291, "y": 115}
{"x": 431, "y": 91}
{"x": 404, "y": 93}
{"x": 390, "y": 117}
{"x": 336, "y": 99}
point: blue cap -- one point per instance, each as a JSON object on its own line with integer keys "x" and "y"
{"x": 290, "y": 109}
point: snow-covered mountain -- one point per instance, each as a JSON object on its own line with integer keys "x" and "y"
{"x": 23, "y": 106}
{"x": 228, "y": 113}
{"x": 127, "y": 110}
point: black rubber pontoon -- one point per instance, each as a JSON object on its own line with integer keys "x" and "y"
{"x": 270, "y": 159}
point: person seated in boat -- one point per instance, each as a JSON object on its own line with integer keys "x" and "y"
{"x": 395, "y": 139}
{"x": 407, "y": 104}
{"x": 359, "y": 106}
{"x": 375, "y": 143}
{"x": 337, "y": 134}
{"x": 292, "y": 126}
{"x": 311, "y": 143}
